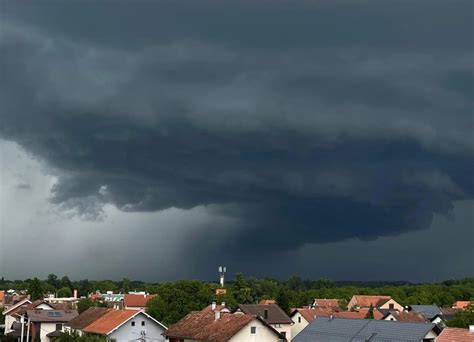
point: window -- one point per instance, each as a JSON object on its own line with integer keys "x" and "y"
{"x": 133, "y": 323}
{"x": 143, "y": 323}
{"x": 283, "y": 335}
{"x": 391, "y": 306}
{"x": 59, "y": 326}
{"x": 253, "y": 330}
{"x": 299, "y": 319}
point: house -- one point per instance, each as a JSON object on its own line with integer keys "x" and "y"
{"x": 449, "y": 313}
{"x": 378, "y": 302}
{"x": 48, "y": 323}
{"x": 222, "y": 327}
{"x": 136, "y": 301}
{"x": 462, "y": 304}
{"x": 326, "y": 303}
{"x": 301, "y": 317}
{"x": 126, "y": 325}
{"x": 456, "y": 335}
{"x": 271, "y": 314}
{"x": 324, "y": 329}
{"x": 431, "y": 312}
{"x": 78, "y": 323}
{"x": 11, "y": 314}
{"x": 405, "y": 316}
{"x": 216, "y": 307}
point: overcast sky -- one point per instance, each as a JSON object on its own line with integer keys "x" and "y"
{"x": 159, "y": 139}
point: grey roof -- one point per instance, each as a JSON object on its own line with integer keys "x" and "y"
{"x": 324, "y": 329}
{"x": 275, "y": 315}
{"x": 51, "y": 315}
{"x": 429, "y": 311}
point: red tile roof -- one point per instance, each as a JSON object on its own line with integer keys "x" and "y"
{"x": 409, "y": 316}
{"x": 455, "y": 335}
{"x": 203, "y": 326}
{"x": 461, "y": 304}
{"x": 137, "y": 300}
{"x": 375, "y": 301}
{"x": 87, "y": 317}
{"x": 326, "y": 302}
{"x": 2, "y": 296}
{"x": 109, "y": 321}
{"x": 267, "y": 302}
{"x": 361, "y": 314}
{"x": 310, "y": 314}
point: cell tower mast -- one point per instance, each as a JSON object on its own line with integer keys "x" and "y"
{"x": 222, "y": 271}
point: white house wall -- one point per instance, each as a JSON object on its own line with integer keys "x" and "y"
{"x": 297, "y": 327}
{"x": 127, "y": 332}
{"x": 264, "y": 334}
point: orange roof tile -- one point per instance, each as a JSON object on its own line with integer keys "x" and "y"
{"x": 310, "y": 314}
{"x": 326, "y": 302}
{"x": 375, "y": 301}
{"x": 361, "y": 314}
{"x": 200, "y": 325}
{"x": 137, "y": 300}
{"x": 267, "y": 302}
{"x": 2, "y": 296}
{"x": 408, "y": 316}
{"x": 455, "y": 335}
{"x": 461, "y": 304}
{"x": 109, "y": 321}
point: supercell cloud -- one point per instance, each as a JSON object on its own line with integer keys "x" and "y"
{"x": 300, "y": 123}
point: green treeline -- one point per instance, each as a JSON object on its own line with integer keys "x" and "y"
{"x": 176, "y": 299}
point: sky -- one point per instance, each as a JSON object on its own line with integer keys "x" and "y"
{"x": 157, "y": 140}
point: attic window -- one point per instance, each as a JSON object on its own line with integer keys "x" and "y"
{"x": 133, "y": 323}
{"x": 299, "y": 319}
{"x": 391, "y": 306}
{"x": 143, "y": 323}
{"x": 253, "y": 330}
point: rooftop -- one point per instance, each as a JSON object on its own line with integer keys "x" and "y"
{"x": 109, "y": 321}
{"x": 455, "y": 335}
{"x": 51, "y": 315}
{"x": 200, "y": 325}
{"x": 272, "y": 313}
{"x": 87, "y": 317}
{"x": 324, "y": 329}
{"x": 137, "y": 300}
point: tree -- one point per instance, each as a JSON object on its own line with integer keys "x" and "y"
{"x": 65, "y": 282}
{"x": 53, "y": 280}
{"x": 125, "y": 285}
{"x": 74, "y": 337}
{"x": 35, "y": 289}
{"x": 463, "y": 319}
{"x": 64, "y": 292}
{"x": 283, "y": 299}
{"x": 84, "y": 304}
{"x": 176, "y": 300}
{"x": 370, "y": 313}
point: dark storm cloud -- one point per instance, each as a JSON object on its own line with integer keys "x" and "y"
{"x": 306, "y": 123}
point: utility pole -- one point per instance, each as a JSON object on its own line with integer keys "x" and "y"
{"x": 28, "y": 331}
{"x": 22, "y": 320}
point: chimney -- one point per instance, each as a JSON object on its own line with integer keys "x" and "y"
{"x": 213, "y": 306}
{"x": 471, "y": 329}
{"x": 223, "y": 304}
{"x": 75, "y": 293}
{"x": 265, "y": 313}
{"x": 217, "y": 315}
